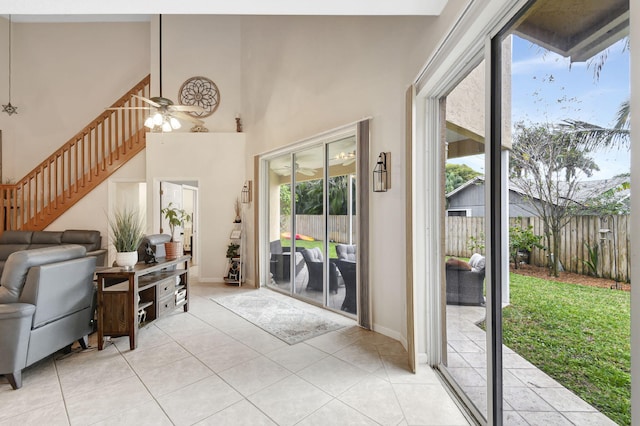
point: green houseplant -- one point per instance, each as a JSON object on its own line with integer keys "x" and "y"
{"x": 127, "y": 231}
{"x": 176, "y": 217}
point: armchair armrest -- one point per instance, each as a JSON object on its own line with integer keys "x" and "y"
{"x": 59, "y": 289}
{"x": 100, "y": 255}
{"x": 15, "y": 323}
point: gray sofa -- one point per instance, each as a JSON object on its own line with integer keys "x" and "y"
{"x": 12, "y": 241}
{"x": 46, "y": 303}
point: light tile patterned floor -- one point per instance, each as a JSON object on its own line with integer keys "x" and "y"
{"x": 211, "y": 367}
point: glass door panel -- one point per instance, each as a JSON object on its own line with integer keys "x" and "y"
{"x": 308, "y": 233}
{"x": 341, "y": 225}
{"x": 280, "y": 204}
{"x": 464, "y": 361}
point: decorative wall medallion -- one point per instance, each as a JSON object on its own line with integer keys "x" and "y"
{"x": 202, "y": 92}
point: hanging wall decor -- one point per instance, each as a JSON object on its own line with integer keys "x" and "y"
{"x": 202, "y": 92}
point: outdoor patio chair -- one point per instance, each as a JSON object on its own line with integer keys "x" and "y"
{"x": 465, "y": 281}
{"x": 315, "y": 264}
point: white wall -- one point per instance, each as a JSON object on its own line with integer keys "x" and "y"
{"x": 313, "y": 74}
{"x": 216, "y": 162}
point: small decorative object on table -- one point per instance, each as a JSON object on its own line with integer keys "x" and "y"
{"x": 149, "y": 255}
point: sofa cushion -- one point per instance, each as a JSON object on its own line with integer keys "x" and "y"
{"x": 90, "y": 240}
{"x": 18, "y": 264}
{"x": 477, "y": 262}
{"x": 16, "y": 237}
{"x": 46, "y": 237}
{"x": 156, "y": 242}
{"x": 7, "y": 249}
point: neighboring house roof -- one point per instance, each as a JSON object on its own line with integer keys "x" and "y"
{"x": 584, "y": 191}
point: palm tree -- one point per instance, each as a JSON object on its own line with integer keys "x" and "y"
{"x": 600, "y": 137}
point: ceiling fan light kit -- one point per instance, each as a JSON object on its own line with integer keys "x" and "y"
{"x": 165, "y": 116}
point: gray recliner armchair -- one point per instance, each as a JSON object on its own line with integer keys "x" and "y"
{"x": 46, "y": 303}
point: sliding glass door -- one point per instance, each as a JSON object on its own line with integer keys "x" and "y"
{"x": 312, "y": 237}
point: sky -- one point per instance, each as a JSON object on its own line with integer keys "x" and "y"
{"x": 546, "y": 88}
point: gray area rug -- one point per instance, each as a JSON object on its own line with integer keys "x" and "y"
{"x": 283, "y": 320}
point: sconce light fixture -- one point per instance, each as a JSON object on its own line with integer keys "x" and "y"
{"x": 382, "y": 173}
{"x": 246, "y": 194}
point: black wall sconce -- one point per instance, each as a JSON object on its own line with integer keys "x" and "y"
{"x": 245, "y": 194}
{"x": 382, "y": 173}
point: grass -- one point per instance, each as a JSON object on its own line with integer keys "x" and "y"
{"x": 312, "y": 244}
{"x": 578, "y": 335}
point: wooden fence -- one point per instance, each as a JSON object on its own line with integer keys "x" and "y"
{"x": 613, "y": 244}
{"x": 313, "y": 226}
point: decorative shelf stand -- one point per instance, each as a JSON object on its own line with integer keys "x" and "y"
{"x": 130, "y": 299}
{"x": 235, "y": 267}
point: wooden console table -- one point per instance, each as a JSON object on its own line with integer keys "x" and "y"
{"x": 129, "y": 299}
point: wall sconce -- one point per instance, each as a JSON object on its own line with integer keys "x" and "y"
{"x": 382, "y": 173}
{"x": 246, "y": 194}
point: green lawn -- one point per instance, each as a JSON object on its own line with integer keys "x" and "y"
{"x": 578, "y": 335}
{"x": 310, "y": 244}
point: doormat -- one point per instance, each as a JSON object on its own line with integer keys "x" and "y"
{"x": 283, "y": 320}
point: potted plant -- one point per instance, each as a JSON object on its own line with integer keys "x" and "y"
{"x": 127, "y": 232}
{"x": 175, "y": 217}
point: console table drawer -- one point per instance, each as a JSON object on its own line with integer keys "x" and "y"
{"x": 166, "y": 288}
{"x": 166, "y": 305}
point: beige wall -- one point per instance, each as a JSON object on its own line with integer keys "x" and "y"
{"x": 313, "y": 74}
{"x": 211, "y": 159}
{"x": 64, "y": 75}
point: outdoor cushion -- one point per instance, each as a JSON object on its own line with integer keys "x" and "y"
{"x": 477, "y": 262}
{"x": 346, "y": 251}
{"x": 460, "y": 264}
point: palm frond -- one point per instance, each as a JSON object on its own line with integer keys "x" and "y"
{"x": 594, "y": 137}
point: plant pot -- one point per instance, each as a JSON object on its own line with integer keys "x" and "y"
{"x": 173, "y": 249}
{"x": 127, "y": 259}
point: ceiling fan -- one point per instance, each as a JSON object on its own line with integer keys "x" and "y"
{"x": 165, "y": 115}
{"x": 346, "y": 158}
{"x": 286, "y": 170}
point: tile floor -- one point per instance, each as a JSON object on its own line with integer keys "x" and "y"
{"x": 211, "y": 367}
{"x": 530, "y": 396}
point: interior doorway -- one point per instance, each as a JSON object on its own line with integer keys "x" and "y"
{"x": 183, "y": 195}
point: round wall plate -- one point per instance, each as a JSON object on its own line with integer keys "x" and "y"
{"x": 202, "y": 92}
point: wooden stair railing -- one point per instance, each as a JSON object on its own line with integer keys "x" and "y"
{"x": 77, "y": 167}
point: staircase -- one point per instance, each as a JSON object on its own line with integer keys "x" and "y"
{"x": 77, "y": 167}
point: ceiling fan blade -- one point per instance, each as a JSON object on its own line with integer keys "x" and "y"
{"x": 183, "y": 116}
{"x": 187, "y": 108}
{"x": 147, "y": 100}
{"x": 117, "y": 108}
{"x": 306, "y": 172}
{"x": 349, "y": 162}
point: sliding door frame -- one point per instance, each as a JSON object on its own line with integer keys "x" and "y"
{"x": 361, "y": 129}
{"x": 465, "y": 46}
